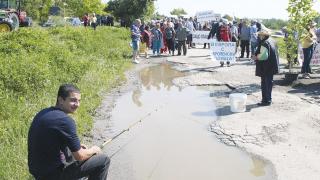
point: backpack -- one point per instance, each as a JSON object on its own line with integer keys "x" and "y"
{"x": 169, "y": 33}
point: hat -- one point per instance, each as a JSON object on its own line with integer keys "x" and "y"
{"x": 264, "y": 31}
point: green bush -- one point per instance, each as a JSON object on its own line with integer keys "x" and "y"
{"x": 34, "y": 62}
{"x": 281, "y": 47}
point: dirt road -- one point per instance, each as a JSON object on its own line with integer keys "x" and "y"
{"x": 285, "y": 134}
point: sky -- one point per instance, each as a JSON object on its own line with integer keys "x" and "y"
{"x": 259, "y": 9}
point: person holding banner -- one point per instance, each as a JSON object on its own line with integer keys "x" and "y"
{"x": 214, "y": 30}
{"x": 225, "y": 36}
{"x": 206, "y": 28}
{"x": 267, "y": 64}
{"x": 308, "y": 41}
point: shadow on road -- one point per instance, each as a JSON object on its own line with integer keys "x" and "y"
{"x": 225, "y": 111}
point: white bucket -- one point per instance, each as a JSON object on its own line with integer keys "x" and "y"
{"x": 238, "y": 102}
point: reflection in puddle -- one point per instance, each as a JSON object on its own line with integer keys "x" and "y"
{"x": 258, "y": 167}
{"x": 136, "y": 97}
{"x": 174, "y": 142}
{"x": 158, "y": 76}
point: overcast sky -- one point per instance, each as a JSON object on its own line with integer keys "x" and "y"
{"x": 265, "y": 9}
{"x": 240, "y": 8}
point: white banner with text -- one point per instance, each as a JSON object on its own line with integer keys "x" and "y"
{"x": 223, "y": 51}
{"x": 201, "y": 37}
{"x": 315, "y": 57}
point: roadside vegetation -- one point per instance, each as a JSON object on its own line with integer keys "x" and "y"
{"x": 34, "y": 62}
{"x": 281, "y": 47}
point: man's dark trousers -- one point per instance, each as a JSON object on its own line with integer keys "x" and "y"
{"x": 266, "y": 88}
{"x": 184, "y": 47}
{"x": 96, "y": 168}
{"x": 245, "y": 47}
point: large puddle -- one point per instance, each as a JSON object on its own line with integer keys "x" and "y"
{"x": 172, "y": 141}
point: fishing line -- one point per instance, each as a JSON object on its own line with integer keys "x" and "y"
{"x": 129, "y": 127}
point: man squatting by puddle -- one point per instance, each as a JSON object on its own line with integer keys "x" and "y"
{"x": 54, "y": 149}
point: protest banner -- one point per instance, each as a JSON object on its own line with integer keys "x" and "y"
{"x": 223, "y": 51}
{"x": 315, "y": 60}
{"x": 207, "y": 16}
{"x": 200, "y": 37}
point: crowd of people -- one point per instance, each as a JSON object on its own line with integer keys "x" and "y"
{"x": 94, "y": 20}
{"x": 169, "y": 35}
{"x": 163, "y": 37}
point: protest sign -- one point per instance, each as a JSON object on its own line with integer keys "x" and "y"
{"x": 200, "y": 37}
{"x": 315, "y": 58}
{"x": 223, "y": 51}
{"x": 207, "y": 16}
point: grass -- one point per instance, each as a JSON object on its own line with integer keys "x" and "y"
{"x": 34, "y": 62}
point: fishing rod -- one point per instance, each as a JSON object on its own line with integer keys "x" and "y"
{"x": 127, "y": 129}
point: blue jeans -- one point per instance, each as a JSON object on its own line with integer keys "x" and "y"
{"x": 307, "y": 54}
{"x": 253, "y": 47}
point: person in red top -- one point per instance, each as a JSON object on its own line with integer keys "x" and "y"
{"x": 85, "y": 20}
{"x": 225, "y": 33}
{"x": 164, "y": 48}
{"x": 225, "y": 36}
{"x": 146, "y": 40}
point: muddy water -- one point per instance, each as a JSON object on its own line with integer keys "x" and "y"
{"x": 172, "y": 141}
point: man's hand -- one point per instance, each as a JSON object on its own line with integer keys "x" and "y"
{"x": 96, "y": 149}
{"x": 254, "y": 57}
{"x": 85, "y": 153}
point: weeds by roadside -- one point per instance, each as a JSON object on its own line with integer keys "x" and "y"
{"x": 34, "y": 62}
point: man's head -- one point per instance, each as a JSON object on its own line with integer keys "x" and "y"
{"x": 158, "y": 25}
{"x": 137, "y": 22}
{"x": 68, "y": 99}
{"x": 264, "y": 34}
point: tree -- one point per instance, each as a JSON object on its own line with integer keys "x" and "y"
{"x": 300, "y": 13}
{"x": 178, "y": 12}
{"x": 39, "y": 9}
{"x": 129, "y": 10}
{"x": 228, "y": 17}
{"x": 274, "y": 23}
{"x": 158, "y": 16}
{"x": 88, "y": 6}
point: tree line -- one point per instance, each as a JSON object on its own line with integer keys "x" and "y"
{"x": 126, "y": 10}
